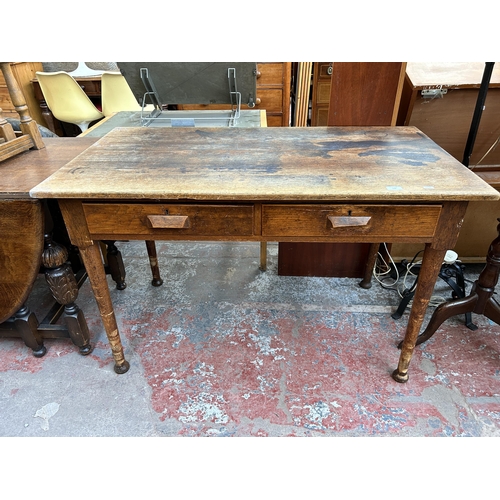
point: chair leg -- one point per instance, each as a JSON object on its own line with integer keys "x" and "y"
{"x": 153, "y": 262}
{"x": 263, "y": 255}
{"x": 115, "y": 264}
{"x": 370, "y": 264}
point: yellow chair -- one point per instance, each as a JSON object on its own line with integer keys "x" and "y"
{"x": 116, "y": 94}
{"x": 66, "y": 99}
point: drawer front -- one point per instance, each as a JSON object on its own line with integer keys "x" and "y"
{"x": 168, "y": 220}
{"x": 270, "y": 73}
{"x": 375, "y": 222}
{"x": 275, "y": 120}
{"x": 270, "y": 99}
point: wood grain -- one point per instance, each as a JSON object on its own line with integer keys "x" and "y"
{"x": 303, "y": 163}
{"x": 21, "y": 245}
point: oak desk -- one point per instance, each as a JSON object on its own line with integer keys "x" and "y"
{"x": 341, "y": 184}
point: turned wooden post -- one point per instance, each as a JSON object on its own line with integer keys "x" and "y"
{"x": 63, "y": 286}
{"x": 28, "y": 125}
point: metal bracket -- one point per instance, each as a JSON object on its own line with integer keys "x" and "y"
{"x": 434, "y": 93}
{"x": 158, "y": 115}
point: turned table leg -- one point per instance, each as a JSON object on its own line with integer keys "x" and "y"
{"x": 153, "y": 262}
{"x": 115, "y": 264}
{"x": 64, "y": 288}
{"x": 370, "y": 264}
{"x": 26, "y": 325}
{"x": 431, "y": 265}
{"x": 92, "y": 260}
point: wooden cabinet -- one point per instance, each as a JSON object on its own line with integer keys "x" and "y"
{"x": 24, "y": 72}
{"x": 273, "y": 93}
{"x": 322, "y": 75}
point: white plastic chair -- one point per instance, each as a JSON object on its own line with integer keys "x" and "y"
{"x": 116, "y": 94}
{"x": 66, "y": 99}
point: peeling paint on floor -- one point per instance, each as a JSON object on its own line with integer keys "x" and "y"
{"x": 223, "y": 349}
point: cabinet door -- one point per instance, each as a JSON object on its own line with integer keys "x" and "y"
{"x": 322, "y": 74}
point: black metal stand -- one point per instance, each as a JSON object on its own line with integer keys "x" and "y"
{"x": 478, "y": 111}
{"x": 452, "y": 275}
{"x": 479, "y": 301}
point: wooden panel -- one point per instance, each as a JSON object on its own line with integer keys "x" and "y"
{"x": 114, "y": 220}
{"x": 323, "y": 95}
{"x": 365, "y": 93}
{"x": 447, "y": 121}
{"x": 320, "y": 93}
{"x": 21, "y": 245}
{"x": 348, "y": 261}
{"x": 321, "y": 117}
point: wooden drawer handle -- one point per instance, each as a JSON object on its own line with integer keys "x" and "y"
{"x": 348, "y": 221}
{"x": 168, "y": 221}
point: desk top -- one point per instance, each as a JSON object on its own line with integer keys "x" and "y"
{"x": 24, "y": 171}
{"x": 388, "y": 164}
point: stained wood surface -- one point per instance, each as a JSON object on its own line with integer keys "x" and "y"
{"x": 364, "y": 93}
{"x": 272, "y": 164}
{"x": 21, "y": 173}
{"x": 21, "y": 245}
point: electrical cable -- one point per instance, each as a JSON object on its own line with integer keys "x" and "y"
{"x": 494, "y": 145}
{"x": 382, "y": 272}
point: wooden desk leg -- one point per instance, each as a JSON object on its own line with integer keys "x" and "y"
{"x": 263, "y": 255}
{"x": 115, "y": 264}
{"x": 26, "y": 324}
{"x": 153, "y": 263}
{"x": 370, "y": 264}
{"x": 431, "y": 265}
{"x": 91, "y": 256}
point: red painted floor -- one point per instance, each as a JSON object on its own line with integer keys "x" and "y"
{"x": 223, "y": 349}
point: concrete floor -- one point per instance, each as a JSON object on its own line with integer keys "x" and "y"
{"x": 223, "y": 349}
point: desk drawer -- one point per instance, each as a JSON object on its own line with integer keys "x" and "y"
{"x": 107, "y": 220}
{"x": 376, "y": 222}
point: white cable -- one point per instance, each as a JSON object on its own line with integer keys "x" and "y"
{"x": 486, "y": 154}
{"x": 388, "y": 270}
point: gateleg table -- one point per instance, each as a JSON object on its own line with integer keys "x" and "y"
{"x": 325, "y": 184}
